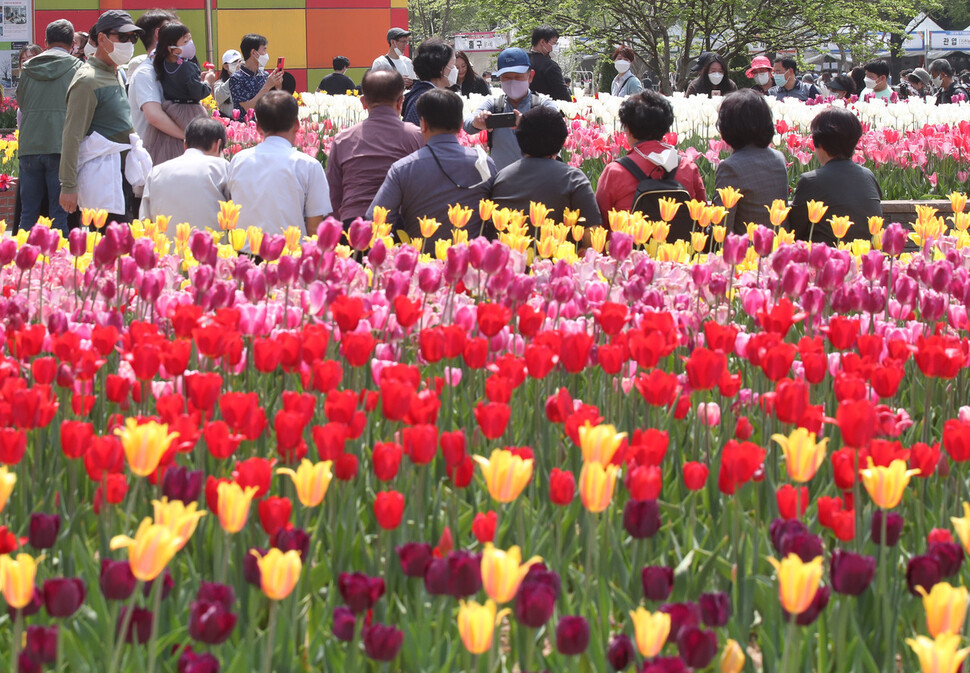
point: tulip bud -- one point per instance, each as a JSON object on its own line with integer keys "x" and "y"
{"x": 360, "y": 234}
{"x": 620, "y": 653}
{"x": 415, "y": 557}
{"x": 63, "y": 596}
{"x": 715, "y": 609}
{"x": 537, "y": 595}
{"x": 181, "y": 484}
{"x": 894, "y": 527}
{"x": 77, "y": 242}
{"x": 43, "y": 530}
{"x": 572, "y": 635}
{"x": 344, "y": 623}
{"x": 329, "y": 233}
{"x": 658, "y": 582}
{"x": 851, "y": 573}
{"x": 382, "y": 643}
{"x": 117, "y": 580}
{"x": 641, "y": 518}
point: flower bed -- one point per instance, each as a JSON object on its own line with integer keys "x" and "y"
{"x": 646, "y": 457}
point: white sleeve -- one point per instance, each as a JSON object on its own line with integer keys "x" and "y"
{"x": 145, "y": 87}
{"x": 318, "y": 191}
{"x": 380, "y": 63}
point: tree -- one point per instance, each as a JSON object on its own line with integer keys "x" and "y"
{"x": 443, "y": 18}
{"x": 668, "y": 34}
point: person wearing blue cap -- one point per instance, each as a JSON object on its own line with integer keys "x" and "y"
{"x": 515, "y": 73}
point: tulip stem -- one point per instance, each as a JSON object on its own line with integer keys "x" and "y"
{"x": 18, "y": 627}
{"x": 157, "y": 588}
{"x": 121, "y": 635}
{"x": 270, "y": 638}
{"x": 792, "y": 633}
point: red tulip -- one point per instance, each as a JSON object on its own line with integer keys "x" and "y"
{"x": 492, "y": 418}
{"x": 857, "y": 422}
{"x": 704, "y": 368}
{"x": 956, "y": 440}
{"x": 924, "y": 458}
{"x": 357, "y": 347}
{"x": 695, "y": 475}
{"x": 453, "y": 446}
{"x": 406, "y": 311}
{"x": 256, "y": 472}
{"x": 779, "y": 318}
{"x": 326, "y": 375}
{"x": 476, "y": 352}
{"x": 886, "y": 379}
{"x": 347, "y": 312}
{"x": 492, "y": 318}
{"x": 345, "y": 467}
{"x": 575, "y": 351}
{"x": 562, "y": 486}
{"x": 420, "y": 443}
{"x": 219, "y": 440}
{"x": 483, "y": 526}
{"x": 792, "y": 501}
{"x": 388, "y": 509}
{"x": 658, "y": 388}
{"x": 530, "y": 320}
{"x": 386, "y": 458}
{"x": 13, "y": 444}
{"x": 266, "y": 355}
{"x": 203, "y": 389}
{"x": 720, "y": 337}
{"x": 274, "y": 513}
{"x": 842, "y": 332}
{"x": 611, "y": 317}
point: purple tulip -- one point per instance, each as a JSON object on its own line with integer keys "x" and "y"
{"x": 572, "y": 635}
{"x": 641, "y": 518}
{"x": 464, "y": 573}
{"x": 344, "y": 623}
{"x": 329, "y": 233}
{"x": 377, "y": 254}
{"x": 77, "y": 242}
{"x": 63, "y": 596}
{"x": 271, "y": 247}
{"x": 117, "y": 582}
{"x": 181, "y": 484}
{"x": 922, "y": 571}
{"x": 43, "y": 529}
{"x": 359, "y": 591}
{"x": 456, "y": 263}
{"x": 620, "y": 653}
{"x": 436, "y": 577}
{"x": 696, "y": 647}
{"x": 210, "y": 622}
{"x": 197, "y": 662}
{"x": 27, "y": 257}
{"x": 536, "y": 597}
{"x": 818, "y": 604}
{"x": 293, "y": 538}
{"x": 949, "y": 555}
{"x": 851, "y": 573}
{"x": 139, "y": 626}
{"x": 143, "y": 252}
{"x": 41, "y": 644}
{"x": 715, "y": 609}
{"x": 621, "y": 245}
{"x": 496, "y": 257}
{"x": 251, "y": 572}
{"x": 415, "y": 558}
{"x": 682, "y": 616}
{"x": 658, "y": 582}
{"x": 360, "y": 234}
{"x": 894, "y": 527}
{"x": 381, "y": 642}
{"x": 894, "y": 239}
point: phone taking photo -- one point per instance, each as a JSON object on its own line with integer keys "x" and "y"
{"x": 501, "y": 120}
{"x": 280, "y": 62}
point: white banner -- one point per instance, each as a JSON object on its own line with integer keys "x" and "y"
{"x": 481, "y": 41}
{"x": 950, "y": 40}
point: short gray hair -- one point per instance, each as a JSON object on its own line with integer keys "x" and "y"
{"x": 942, "y": 66}
{"x": 60, "y": 32}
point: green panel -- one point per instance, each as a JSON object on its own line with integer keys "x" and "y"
{"x": 194, "y": 19}
{"x": 66, "y": 4}
{"x": 262, "y": 4}
{"x": 314, "y": 75}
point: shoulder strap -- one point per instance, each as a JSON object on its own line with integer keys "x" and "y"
{"x": 631, "y": 166}
{"x": 391, "y": 61}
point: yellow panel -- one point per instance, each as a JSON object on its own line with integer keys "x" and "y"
{"x": 284, "y": 28}
{"x": 399, "y": 3}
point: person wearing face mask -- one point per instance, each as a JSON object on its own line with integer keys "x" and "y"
{"x": 397, "y": 42}
{"x": 941, "y": 74}
{"x": 625, "y": 83}
{"x": 787, "y": 84}
{"x": 80, "y": 41}
{"x": 712, "y": 80}
{"x": 841, "y": 86}
{"x": 877, "y": 81}
{"x": 760, "y": 72}
{"x": 251, "y": 82}
{"x": 548, "y": 78}
{"x": 183, "y": 86}
{"x": 515, "y": 73}
{"x": 919, "y": 83}
{"x": 96, "y": 102}
{"x": 231, "y": 62}
{"x": 434, "y": 66}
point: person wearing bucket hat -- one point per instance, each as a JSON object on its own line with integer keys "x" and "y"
{"x": 760, "y": 72}
{"x": 841, "y": 86}
{"x": 96, "y": 102}
{"x": 920, "y": 83}
{"x": 397, "y": 41}
{"x": 515, "y": 74}
{"x": 231, "y": 60}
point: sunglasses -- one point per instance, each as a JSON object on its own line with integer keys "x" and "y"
{"x": 124, "y": 37}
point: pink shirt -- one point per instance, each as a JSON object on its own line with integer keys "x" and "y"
{"x": 361, "y": 156}
{"x": 616, "y": 185}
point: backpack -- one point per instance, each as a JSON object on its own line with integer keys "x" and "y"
{"x": 498, "y": 105}
{"x": 646, "y": 199}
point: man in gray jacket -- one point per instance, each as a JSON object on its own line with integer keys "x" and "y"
{"x": 41, "y": 97}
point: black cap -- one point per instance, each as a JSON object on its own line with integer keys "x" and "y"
{"x": 397, "y": 34}
{"x": 116, "y": 20}
{"x": 702, "y": 59}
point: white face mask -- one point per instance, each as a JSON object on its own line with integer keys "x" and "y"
{"x": 870, "y": 83}
{"x": 188, "y": 50}
{"x": 621, "y": 65}
{"x": 398, "y": 52}
{"x": 937, "y": 81}
{"x": 89, "y": 50}
{"x": 233, "y": 67}
{"x": 762, "y": 78}
{"x": 715, "y": 77}
{"x": 122, "y": 52}
{"x": 554, "y": 49}
{"x": 515, "y": 88}
{"x": 262, "y": 59}
{"x": 453, "y": 76}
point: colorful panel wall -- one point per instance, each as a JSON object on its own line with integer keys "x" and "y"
{"x": 308, "y": 33}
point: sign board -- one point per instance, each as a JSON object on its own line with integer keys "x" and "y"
{"x": 950, "y": 40}
{"x": 16, "y": 21}
{"x": 481, "y": 41}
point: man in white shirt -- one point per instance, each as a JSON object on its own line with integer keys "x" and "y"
{"x": 394, "y": 59}
{"x": 144, "y": 91}
{"x": 277, "y": 185}
{"x": 190, "y": 187}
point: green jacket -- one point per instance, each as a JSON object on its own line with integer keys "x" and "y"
{"x": 96, "y": 101}
{"x": 41, "y": 97}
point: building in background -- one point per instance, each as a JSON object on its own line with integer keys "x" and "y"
{"x": 308, "y": 33}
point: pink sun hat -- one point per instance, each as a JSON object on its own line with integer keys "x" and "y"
{"x": 758, "y": 63}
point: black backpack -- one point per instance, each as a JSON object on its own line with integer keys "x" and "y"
{"x": 646, "y": 199}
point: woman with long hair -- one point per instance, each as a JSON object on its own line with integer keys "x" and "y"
{"x": 468, "y": 80}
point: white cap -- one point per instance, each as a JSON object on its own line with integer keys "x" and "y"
{"x": 231, "y": 55}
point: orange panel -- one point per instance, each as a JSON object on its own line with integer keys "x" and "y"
{"x": 358, "y": 34}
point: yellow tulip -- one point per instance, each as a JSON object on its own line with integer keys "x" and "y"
{"x": 476, "y": 624}
{"x": 8, "y": 480}
{"x": 784, "y": 237}
{"x": 237, "y": 239}
{"x": 960, "y": 221}
{"x": 503, "y": 571}
{"x": 234, "y": 505}
{"x": 161, "y": 223}
{"x": 718, "y": 213}
{"x": 570, "y": 218}
{"x": 537, "y": 213}
{"x": 777, "y": 212}
{"x": 100, "y": 218}
{"x": 255, "y": 235}
{"x": 732, "y": 658}
{"x": 597, "y": 239}
{"x": 505, "y": 474}
{"x": 459, "y": 215}
{"x": 875, "y": 225}
{"x": 668, "y": 208}
{"x": 696, "y": 208}
{"x": 797, "y": 582}
{"x": 618, "y": 219}
{"x": 719, "y": 231}
{"x": 660, "y": 231}
{"x": 816, "y": 211}
{"x": 311, "y": 481}
{"x": 228, "y": 214}
{"x": 17, "y": 579}
{"x": 596, "y": 486}
{"x": 698, "y": 241}
{"x": 177, "y": 517}
{"x": 840, "y": 225}
{"x": 87, "y": 216}
{"x": 803, "y": 455}
{"x": 946, "y": 608}
{"x": 428, "y": 226}
{"x": 939, "y": 655}
{"x": 441, "y": 249}
{"x": 380, "y": 216}
{"x": 960, "y": 525}
{"x": 729, "y": 196}
{"x": 485, "y": 209}
{"x": 886, "y": 484}
{"x": 599, "y": 443}
{"x": 417, "y": 243}
{"x": 149, "y": 552}
{"x": 547, "y": 247}
{"x": 958, "y": 200}
{"x": 577, "y": 231}
{"x": 278, "y": 572}
{"x": 650, "y": 630}
{"x": 144, "y": 444}
{"x": 501, "y": 217}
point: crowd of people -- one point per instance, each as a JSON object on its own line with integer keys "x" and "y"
{"x": 102, "y": 129}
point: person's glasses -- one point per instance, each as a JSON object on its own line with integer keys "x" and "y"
{"x": 124, "y": 37}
